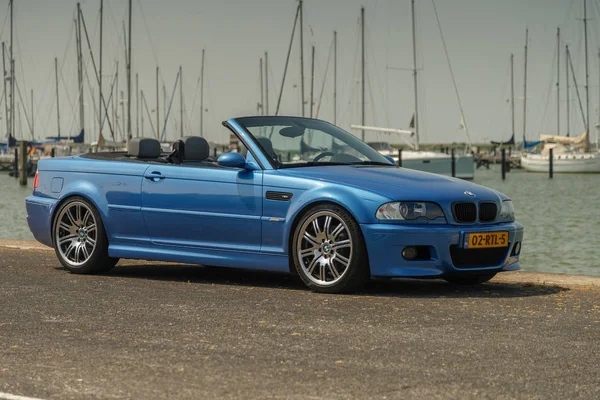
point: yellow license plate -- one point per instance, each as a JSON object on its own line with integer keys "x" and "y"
{"x": 486, "y": 240}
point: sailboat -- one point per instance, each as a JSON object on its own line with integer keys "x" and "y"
{"x": 570, "y": 154}
{"x": 427, "y": 161}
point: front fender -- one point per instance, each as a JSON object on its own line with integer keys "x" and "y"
{"x": 361, "y": 204}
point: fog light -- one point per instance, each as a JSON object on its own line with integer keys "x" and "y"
{"x": 410, "y": 253}
{"x": 516, "y": 249}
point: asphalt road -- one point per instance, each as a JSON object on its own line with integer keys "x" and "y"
{"x": 154, "y": 331}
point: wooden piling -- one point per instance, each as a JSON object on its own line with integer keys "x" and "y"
{"x": 15, "y": 165}
{"x": 551, "y": 164}
{"x": 503, "y": 164}
{"x": 23, "y": 163}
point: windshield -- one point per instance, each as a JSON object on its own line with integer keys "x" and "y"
{"x": 297, "y": 142}
{"x": 381, "y": 145}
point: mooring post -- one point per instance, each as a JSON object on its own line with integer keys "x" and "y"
{"x": 399, "y": 157}
{"x": 453, "y": 163}
{"x": 503, "y": 164}
{"x": 550, "y": 164}
{"x": 23, "y": 163}
{"x": 16, "y": 163}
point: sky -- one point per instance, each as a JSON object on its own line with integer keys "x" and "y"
{"x": 480, "y": 36}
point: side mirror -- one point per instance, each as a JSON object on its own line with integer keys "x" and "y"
{"x": 390, "y": 159}
{"x": 232, "y": 160}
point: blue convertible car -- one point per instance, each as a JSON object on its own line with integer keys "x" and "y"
{"x": 299, "y": 195}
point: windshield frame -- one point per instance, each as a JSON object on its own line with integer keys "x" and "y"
{"x": 275, "y": 164}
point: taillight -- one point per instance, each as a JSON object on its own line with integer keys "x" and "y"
{"x": 36, "y": 180}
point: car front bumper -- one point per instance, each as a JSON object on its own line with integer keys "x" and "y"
{"x": 385, "y": 243}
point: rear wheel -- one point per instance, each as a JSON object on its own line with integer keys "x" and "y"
{"x": 469, "y": 279}
{"x": 80, "y": 241}
{"x": 328, "y": 250}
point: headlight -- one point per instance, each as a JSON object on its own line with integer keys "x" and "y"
{"x": 409, "y": 210}
{"x": 507, "y": 212}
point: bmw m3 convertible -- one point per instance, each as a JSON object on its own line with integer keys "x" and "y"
{"x": 297, "y": 195}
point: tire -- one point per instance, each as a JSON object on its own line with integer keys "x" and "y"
{"x": 330, "y": 257}
{"x": 468, "y": 280}
{"x": 79, "y": 238}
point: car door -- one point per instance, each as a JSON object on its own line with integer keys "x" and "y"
{"x": 203, "y": 207}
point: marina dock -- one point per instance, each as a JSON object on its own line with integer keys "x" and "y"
{"x": 219, "y": 333}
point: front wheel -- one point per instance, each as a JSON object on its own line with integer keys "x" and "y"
{"x": 79, "y": 238}
{"x": 328, "y": 250}
{"x": 469, "y": 279}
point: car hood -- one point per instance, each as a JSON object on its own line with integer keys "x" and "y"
{"x": 397, "y": 183}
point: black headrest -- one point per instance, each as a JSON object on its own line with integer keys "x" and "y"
{"x": 266, "y": 144}
{"x": 196, "y": 148}
{"x": 141, "y": 147}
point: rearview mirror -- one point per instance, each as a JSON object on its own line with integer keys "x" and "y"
{"x": 232, "y": 160}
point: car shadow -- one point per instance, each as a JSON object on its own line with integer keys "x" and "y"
{"x": 425, "y": 288}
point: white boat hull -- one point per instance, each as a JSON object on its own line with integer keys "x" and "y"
{"x": 439, "y": 163}
{"x": 564, "y": 163}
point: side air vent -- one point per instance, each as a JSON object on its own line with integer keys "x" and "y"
{"x": 279, "y": 196}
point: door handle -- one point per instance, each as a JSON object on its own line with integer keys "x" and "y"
{"x": 154, "y": 176}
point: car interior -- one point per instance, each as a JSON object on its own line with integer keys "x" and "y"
{"x": 193, "y": 151}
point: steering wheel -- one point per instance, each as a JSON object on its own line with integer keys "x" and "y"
{"x": 325, "y": 154}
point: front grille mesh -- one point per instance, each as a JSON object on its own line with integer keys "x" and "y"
{"x": 487, "y": 212}
{"x": 464, "y": 212}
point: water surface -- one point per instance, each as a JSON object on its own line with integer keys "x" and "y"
{"x": 561, "y": 217}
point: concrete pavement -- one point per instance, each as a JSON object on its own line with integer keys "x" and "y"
{"x": 152, "y": 330}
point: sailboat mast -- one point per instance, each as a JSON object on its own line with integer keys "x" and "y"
{"x": 587, "y": 83}
{"x": 32, "y": 118}
{"x": 57, "y": 97}
{"x": 115, "y": 98}
{"x": 157, "y": 107}
{"x": 302, "y": 56}
{"x": 165, "y": 106}
{"x": 567, "y": 91}
{"x": 5, "y": 92}
{"x": 137, "y": 106}
{"x": 129, "y": 78}
{"x": 143, "y": 102}
{"x": 287, "y": 60}
{"x": 260, "y": 75}
{"x": 362, "y": 79}
{"x": 181, "y": 101}
{"x": 80, "y": 68}
{"x": 415, "y": 72}
{"x": 512, "y": 93}
{"x": 334, "y": 77}
{"x": 525, "y": 88}
{"x": 101, "y": 101}
{"x": 266, "y": 106}
{"x": 558, "y": 81}
{"x": 12, "y": 72}
{"x": 123, "y": 117}
{"x": 312, "y": 81}
{"x": 202, "y": 96}
{"x": 598, "y": 123}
